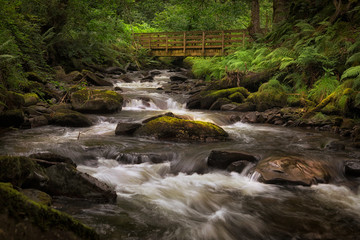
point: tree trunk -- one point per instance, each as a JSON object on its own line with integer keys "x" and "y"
{"x": 280, "y": 11}
{"x": 254, "y": 27}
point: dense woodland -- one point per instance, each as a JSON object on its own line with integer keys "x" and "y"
{"x": 303, "y": 53}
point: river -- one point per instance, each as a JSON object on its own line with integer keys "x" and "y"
{"x": 180, "y": 197}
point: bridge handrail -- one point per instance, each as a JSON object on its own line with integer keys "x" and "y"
{"x": 194, "y": 41}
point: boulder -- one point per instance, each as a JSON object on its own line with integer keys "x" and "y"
{"x": 96, "y": 101}
{"x": 65, "y": 180}
{"x": 175, "y": 129}
{"x": 292, "y": 171}
{"x": 219, "y": 103}
{"x": 138, "y": 158}
{"x": 228, "y": 107}
{"x": 14, "y": 100}
{"x": 209, "y": 97}
{"x": 126, "y": 128}
{"x": 95, "y": 79}
{"x": 178, "y": 78}
{"x": 148, "y": 78}
{"x": 238, "y": 166}
{"x": 155, "y": 72}
{"x": 114, "y": 70}
{"x": 30, "y": 99}
{"x": 52, "y": 158}
{"x": 335, "y": 146}
{"x": 38, "y": 121}
{"x": 22, "y": 172}
{"x": 12, "y": 118}
{"x": 21, "y": 218}
{"x": 222, "y": 159}
{"x": 69, "y": 118}
{"x": 37, "y": 196}
{"x": 352, "y": 168}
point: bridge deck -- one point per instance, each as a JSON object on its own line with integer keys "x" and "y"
{"x": 193, "y": 43}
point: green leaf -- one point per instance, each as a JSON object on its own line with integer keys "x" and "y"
{"x": 354, "y": 58}
{"x": 352, "y": 72}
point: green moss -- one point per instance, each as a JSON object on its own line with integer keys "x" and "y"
{"x": 69, "y": 118}
{"x": 19, "y": 170}
{"x": 270, "y": 94}
{"x": 20, "y": 208}
{"x": 171, "y": 128}
{"x": 237, "y": 97}
{"x": 227, "y": 92}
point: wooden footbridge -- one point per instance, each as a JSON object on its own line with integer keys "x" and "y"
{"x": 193, "y": 43}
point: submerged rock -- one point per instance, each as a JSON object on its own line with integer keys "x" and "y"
{"x": 96, "y": 101}
{"x": 352, "y": 168}
{"x": 178, "y": 78}
{"x": 69, "y": 118}
{"x": 21, "y": 218}
{"x": 175, "y": 129}
{"x": 292, "y": 170}
{"x": 222, "y": 159}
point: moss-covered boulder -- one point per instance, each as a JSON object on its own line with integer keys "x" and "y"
{"x": 69, "y": 118}
{"x": 14, "y": 100}
{"x": 21, "y": 218}
{"x": 175, "y": 129}
{"x": 30, "y": 99}
{"x": 22, "y": 172}
{"x": 37, "y": 196}
{"x": 270, "y": 94}
{"x": 96, "y": 101}
{"x": 209, "y": 97}
{"x": 293, "y": 171}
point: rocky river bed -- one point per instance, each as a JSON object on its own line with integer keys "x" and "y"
{"x": 262, "y": 182}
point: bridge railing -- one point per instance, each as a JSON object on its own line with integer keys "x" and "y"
{"x": 192, "y": 43}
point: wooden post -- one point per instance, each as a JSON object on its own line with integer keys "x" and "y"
{"x": 167, "y": 47}
{"x": 203, "y": 44}
{"x": 184, "y": 43}
{"x": 243, "y": 39}
{"x": 222, "y": 43}
{"x": 150, "y": 41}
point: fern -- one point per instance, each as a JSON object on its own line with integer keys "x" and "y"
{"x": 355, "y": 58}
{"x": 323, "y": 88}
{"x": 352, "y": 72}
{"x": 285, "y": 62}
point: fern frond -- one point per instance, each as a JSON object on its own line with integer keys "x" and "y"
{"x": 355, "y": 58}
{"x": 305, "y": 27}
{"x": 352, "y": 72}
{"x": 285, "y": 62}
{"x": 3, "y": 45}
{"x": 323, "y": 88}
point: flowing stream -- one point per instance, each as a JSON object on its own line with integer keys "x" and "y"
{"x": 180, "y": 197}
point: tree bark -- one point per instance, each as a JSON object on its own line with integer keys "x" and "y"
{"x": 254, "y": 28}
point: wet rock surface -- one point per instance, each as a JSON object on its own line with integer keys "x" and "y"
{"x": 293, "y": 171}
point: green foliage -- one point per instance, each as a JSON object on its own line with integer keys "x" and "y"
{"x": 323, "y": 88}
{"x": 352, "y": 72}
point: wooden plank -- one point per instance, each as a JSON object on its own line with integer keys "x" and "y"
{"x": 184, "y": 42}
{"x": 222, "y": 43}
{"x": 203, "y": 44}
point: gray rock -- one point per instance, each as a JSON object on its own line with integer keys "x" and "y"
{"x": 178, "y": 78}
{"x": 65, "y": 180}
{"x": 126, "y": 128}
{"x": 222, "y": 159}
{"x": 352, "y": 168}
{"x": 52, "y": 158}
